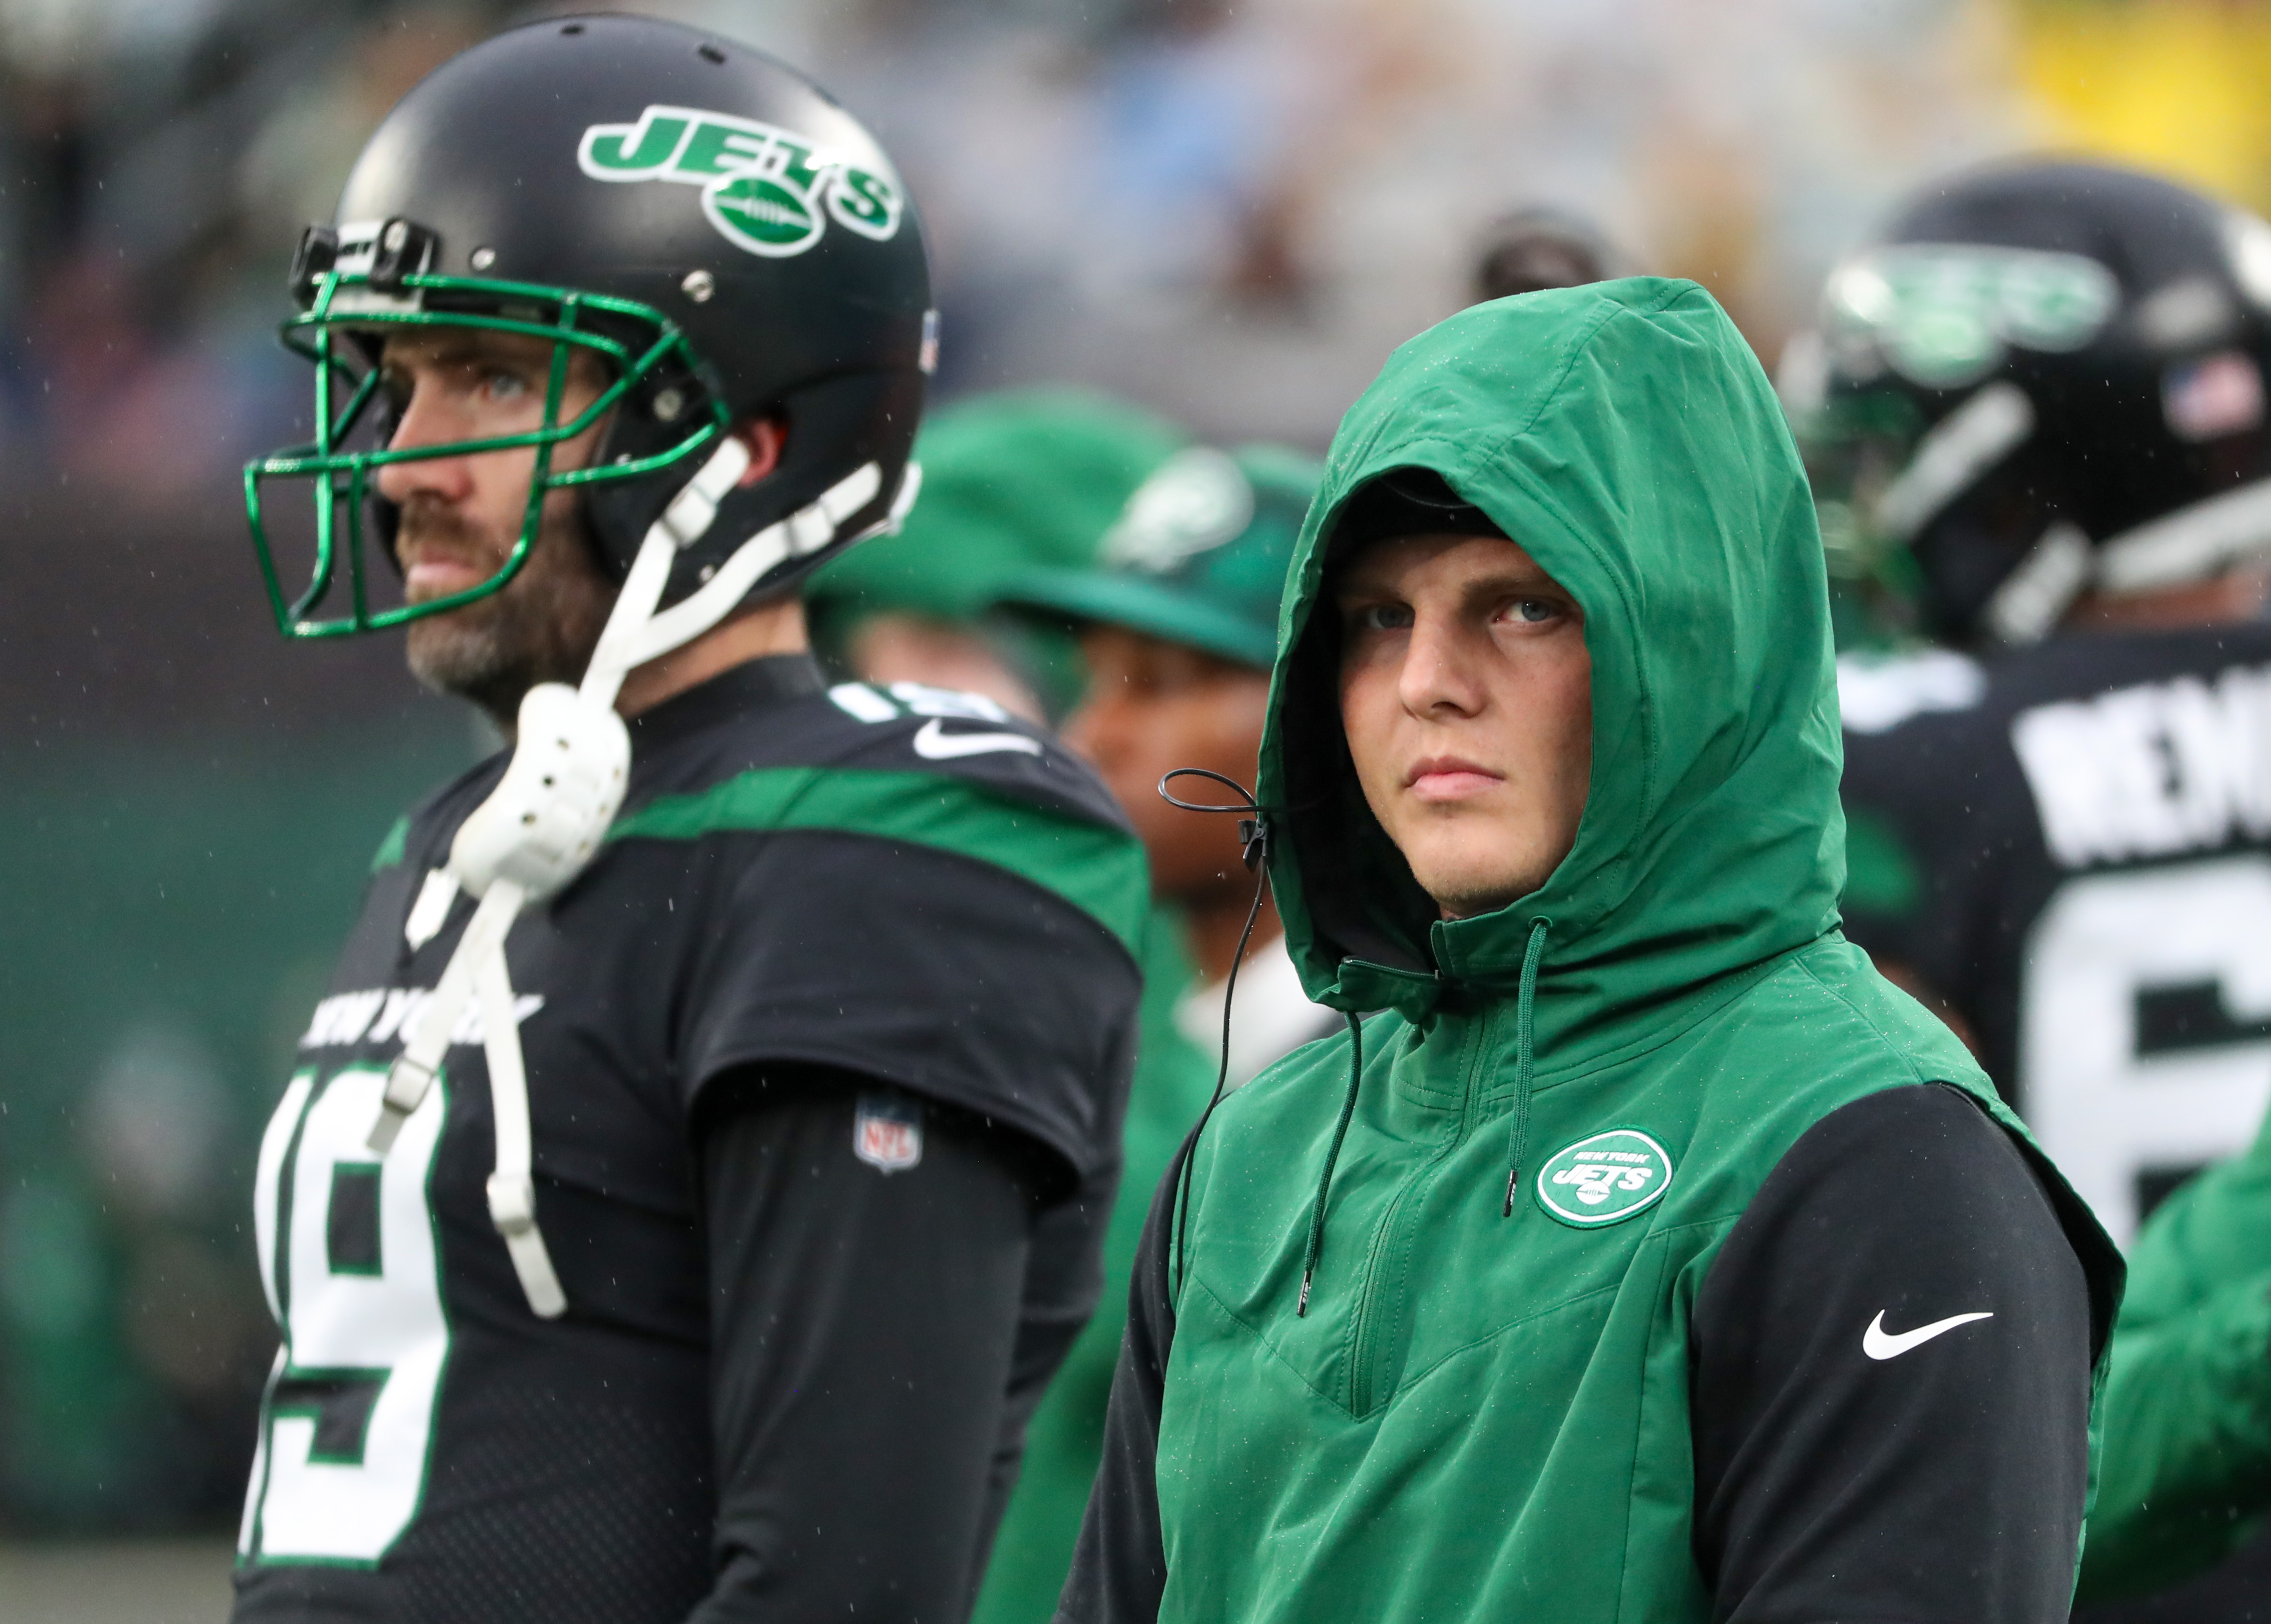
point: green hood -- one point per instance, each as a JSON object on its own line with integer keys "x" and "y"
{"x": 1625, "y": 435}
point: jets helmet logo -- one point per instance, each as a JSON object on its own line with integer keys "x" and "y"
{"x": 767, "y": 191}
{"x": 1603, "y": 1178}
{"x": 1944, "y": 316}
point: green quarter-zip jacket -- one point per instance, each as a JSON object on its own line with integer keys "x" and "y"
{"x": 1786, "y": 1317}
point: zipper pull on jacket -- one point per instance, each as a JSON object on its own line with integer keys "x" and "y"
{"x": 1525, "y": 1059}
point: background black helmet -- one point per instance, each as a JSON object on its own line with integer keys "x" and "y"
{"x": 2044, "y": 378}
{"x": 1534, "y": 249}
{"x": 727, "y": 236}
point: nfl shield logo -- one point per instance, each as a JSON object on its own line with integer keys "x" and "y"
{"x": 887, "y": 1133}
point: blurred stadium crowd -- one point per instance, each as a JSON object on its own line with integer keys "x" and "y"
{"x": 1231, "y": 212}
{"x": 1227, "y": 212}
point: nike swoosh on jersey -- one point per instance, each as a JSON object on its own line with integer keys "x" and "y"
{"x": 1880, "y": 1344}
{"x": 935, "y": 743}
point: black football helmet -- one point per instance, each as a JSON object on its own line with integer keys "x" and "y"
{"x": 1534, "y": 249}
{"x": 2044, "y": 379}
{"x": 708, "y": 220}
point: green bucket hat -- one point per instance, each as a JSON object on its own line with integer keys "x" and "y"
{"x": 1012, "y": 481}
{"x": 1198, "y": 555}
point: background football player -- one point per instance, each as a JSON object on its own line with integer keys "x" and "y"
{"x": 677, "y": 1210}
{"x": 1013, "y": 479}
{"x": 1178, "y": 617}
{"x": 1177, "y": 607}
{"x": 2043, "y": 407}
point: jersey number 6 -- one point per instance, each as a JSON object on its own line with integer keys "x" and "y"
{"x": 2146, "y": 1048}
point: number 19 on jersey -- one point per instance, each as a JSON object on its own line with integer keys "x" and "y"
{"x": 350, "y": 1260}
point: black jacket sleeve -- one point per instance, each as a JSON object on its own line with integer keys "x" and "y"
{"x": 865, "y": 1327}
{"x": 1119, "y": 1565}
{"x": 1890, "y": 1372}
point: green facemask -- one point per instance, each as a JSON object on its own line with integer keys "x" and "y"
{"x": 350, "y": 309}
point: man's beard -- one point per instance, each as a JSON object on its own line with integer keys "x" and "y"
{"x": 541, "y": 627}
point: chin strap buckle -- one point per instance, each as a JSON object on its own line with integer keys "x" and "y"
{"x": 512, "y": 1212}
{"x": 406, "y": 1083}
{"x": 512, "y": 1204}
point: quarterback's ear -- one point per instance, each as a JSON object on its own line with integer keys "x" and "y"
{"x": 766, "y": 436}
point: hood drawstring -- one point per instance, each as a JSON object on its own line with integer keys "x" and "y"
{"x": 1525, "y": 1061}
{"x": 1332, "y": 1156}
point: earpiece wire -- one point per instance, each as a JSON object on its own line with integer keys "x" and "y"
{"x": 1254, "y": 832}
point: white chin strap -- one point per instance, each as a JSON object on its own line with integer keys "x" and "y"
{"x": 543, "y": 823}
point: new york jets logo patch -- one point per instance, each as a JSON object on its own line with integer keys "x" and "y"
{"x": 767, "y": 191}
{"x": 1605, "y": 1179}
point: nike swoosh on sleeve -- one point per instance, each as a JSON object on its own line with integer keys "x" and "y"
{"x": 1880, "y": 1344}
{"x": 935, "y": 743}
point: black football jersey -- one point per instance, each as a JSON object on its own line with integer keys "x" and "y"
{"x": 2072, "y": 845}
{"x": 899, "y": 883}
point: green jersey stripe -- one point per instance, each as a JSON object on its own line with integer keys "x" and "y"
{"x": 1099, "y": 869}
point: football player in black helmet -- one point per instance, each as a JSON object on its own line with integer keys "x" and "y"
{"x": 2039, "y": 413}
{"x": 698, "y": 1163}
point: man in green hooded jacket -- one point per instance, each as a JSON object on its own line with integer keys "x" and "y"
{"x": 1647, "y": 1258}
